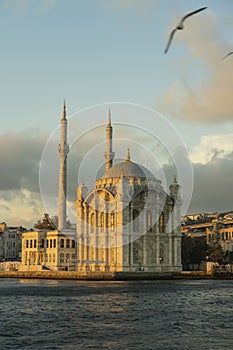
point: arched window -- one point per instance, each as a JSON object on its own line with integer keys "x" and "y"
{"x": 112, "y": 221}
{"x": 161, "y": 223}
{"x": 92, "y": 222}
{"x": 135, "y": 220}
{"x": 102, "y": 222}
{"x": 148, "y": 221}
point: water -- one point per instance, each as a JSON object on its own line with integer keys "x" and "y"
{"x": 164, "y": 315}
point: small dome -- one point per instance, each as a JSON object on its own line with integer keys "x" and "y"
{"x": 128, "y": 169}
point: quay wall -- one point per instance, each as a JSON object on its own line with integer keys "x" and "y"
{"x": 104, "y": 276}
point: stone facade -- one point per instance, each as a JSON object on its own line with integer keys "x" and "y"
{"x": 10, "y": 242}
{"x": 48, "y": 250}
{"x": 128, "y": 223}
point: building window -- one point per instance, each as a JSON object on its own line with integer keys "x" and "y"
{"x": 27, "y": 243}
{"x": 62, "y": 243}
{"x": 92, "y": 222}
{"x": 61, "y": 258}
{"x": 54, "y": 243}
{"x": 67, "y": 243}
{"x": 161, "y": 223}
{"x": 51, "y": 243}
{"x": 34, "y": 243}
{"x": 226, "y": 236}
{"x": 47, "y": 243}
{"x": 148, "y": 221}
{"x": 73, "y": 243}
{"x": 222, "y": 236}
{"x": 112, "y": 221}
{"x": 30, "y": 243}
{"x": 42, "y": 243}
{"x": 135, "y": 220}
{"x": 102, "y": 221}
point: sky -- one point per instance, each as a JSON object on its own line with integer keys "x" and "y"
{"x": 104, "y": 52}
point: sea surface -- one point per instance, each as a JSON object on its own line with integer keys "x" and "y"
{"x": 166, "y": 315}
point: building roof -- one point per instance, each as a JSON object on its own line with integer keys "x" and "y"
{"x": 128, "y": 169}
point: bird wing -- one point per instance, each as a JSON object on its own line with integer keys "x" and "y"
{"x": 192, "y": 13}
{"x": 230, "y": 53}
{"x": 170, "y": 40}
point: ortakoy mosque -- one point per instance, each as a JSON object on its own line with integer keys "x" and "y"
{"x": 127, "y": 223}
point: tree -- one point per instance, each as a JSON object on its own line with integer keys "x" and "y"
{"x": 46, "y": 223}
{"x": 215, "y": 253}
{"x": 194, "y": 250}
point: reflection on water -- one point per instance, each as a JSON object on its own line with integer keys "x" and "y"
{"x": 164, "y": 315}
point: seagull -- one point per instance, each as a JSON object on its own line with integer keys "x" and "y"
{"x": 180, "y": 26}
{"x": 230, "y": 53}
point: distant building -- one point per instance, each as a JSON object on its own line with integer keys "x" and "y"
{"x": 216, "y": 227}
{"x": 52, "y": 250}
{"x": 10, "y": 242}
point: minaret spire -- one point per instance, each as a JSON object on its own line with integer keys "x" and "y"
{"x": 109, "y": 117}
{"x": 64, "y": 111}
{"x": 109, "y": 155}
{"x": 63, "y": 149}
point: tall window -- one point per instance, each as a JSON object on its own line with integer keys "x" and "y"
{"x": 112, "y": 221}
{"x": 92, "y": 222}
{"x": 135, "y": 220}
{"x": 102, "y": 221}
{"x": 62, "y": 243}
{"x": 161, "y": 223}
{"x": 148, "y": 221}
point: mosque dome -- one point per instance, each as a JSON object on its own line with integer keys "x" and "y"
{"x": 128, "y": 169}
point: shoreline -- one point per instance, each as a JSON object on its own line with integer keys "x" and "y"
{"x": 110, "y": 276}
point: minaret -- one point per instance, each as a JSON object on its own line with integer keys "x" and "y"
{"x": 109, "y": 155}
{"x": 63, "y": 149}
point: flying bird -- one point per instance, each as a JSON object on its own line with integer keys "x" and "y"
{"x": 230, "y": 53}
{"x": 180, "y": 26}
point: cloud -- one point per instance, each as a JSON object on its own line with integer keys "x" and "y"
{"x": 20, "y": 207}
{"x": 212, "y": 186}
{"x": 209, "y": 99}
{"x": 20, "y": 154}
{"x": 212, "y": 147}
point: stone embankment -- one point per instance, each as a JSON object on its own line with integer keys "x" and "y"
{"x": 104, "y": 276}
